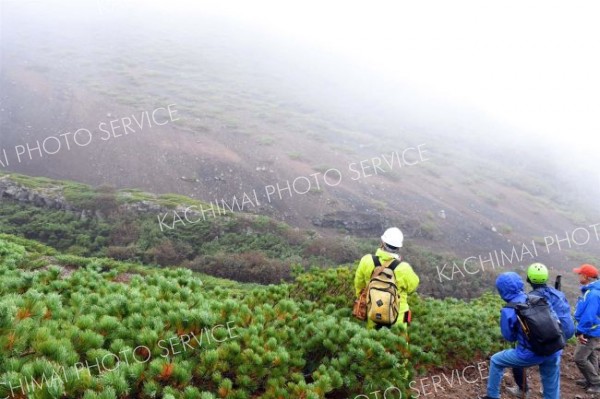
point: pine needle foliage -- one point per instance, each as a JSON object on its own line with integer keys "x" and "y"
{"x": 164, "y": 333}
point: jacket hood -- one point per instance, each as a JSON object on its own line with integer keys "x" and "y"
{"x": 510, "y": 286}
{"x": 386, "y": 256}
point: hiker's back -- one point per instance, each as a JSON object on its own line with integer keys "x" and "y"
{"x": 407, "y": 280}
{"x": 560, "y": 305}
{"x": 539, "y": 325}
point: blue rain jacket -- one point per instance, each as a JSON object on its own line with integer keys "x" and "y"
{"x": 586, "y": 312}
{"x": 560, "y": 305}
{"x": 510, "y": 287}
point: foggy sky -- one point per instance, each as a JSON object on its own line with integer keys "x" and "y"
{"x": 524, "y": 70}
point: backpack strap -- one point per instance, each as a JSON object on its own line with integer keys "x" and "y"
{"x": 516, "y": 307}
{"x": 376, "y": 261}
{"x": 394, "y": 264}
{"x": 379, "y": 268}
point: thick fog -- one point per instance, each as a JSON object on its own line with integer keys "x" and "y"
{"x": 514, "y": 81}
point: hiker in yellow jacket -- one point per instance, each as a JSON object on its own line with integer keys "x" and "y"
{"x": 406, "y": 279}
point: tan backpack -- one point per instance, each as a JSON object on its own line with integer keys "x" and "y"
{"x": 382, "y": 293}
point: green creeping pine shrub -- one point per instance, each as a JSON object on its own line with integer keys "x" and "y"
{"x": 454, "y": 329}
{"x": 436, "y": 323}
{"x": 57, "y": 229}
{"x": 284, "y": 341}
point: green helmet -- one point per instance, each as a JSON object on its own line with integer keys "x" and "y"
{"x": 537, "y": 273}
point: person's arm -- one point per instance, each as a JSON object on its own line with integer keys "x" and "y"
{"x": 567, "y": 324}
{"x": 577, "y": 317}
{"x": 360, "y": 277}
{"x": 406, "y": 278}
{"x": 578, "y": 305}
{"x": 588, "y": 313}
{"x": 508, "y": 324}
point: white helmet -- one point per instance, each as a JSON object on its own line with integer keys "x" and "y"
{"x": 393, "y": 237}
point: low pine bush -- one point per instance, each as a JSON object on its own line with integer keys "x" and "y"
{"x": 164, "y": 333}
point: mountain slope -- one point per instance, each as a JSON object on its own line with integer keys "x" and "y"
{"x": 256, "y": 124}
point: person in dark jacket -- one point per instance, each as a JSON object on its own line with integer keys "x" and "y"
{"x": 510, "y": 287}
{"x": 587, "y": 315}
{"x": 537, "y": 277}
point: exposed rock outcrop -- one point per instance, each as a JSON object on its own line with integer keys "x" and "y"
{"x": 42, "y": 197}
{"x": 53, "y": 198}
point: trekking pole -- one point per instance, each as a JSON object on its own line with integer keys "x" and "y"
{"x": 524, "y": 390}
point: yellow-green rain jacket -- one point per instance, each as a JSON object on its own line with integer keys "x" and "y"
{"x": 406, "y": 279}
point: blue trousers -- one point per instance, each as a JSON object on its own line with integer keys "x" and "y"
{"x": 549, "y": 371}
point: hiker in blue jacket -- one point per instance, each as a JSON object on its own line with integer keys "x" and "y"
{"x": 537, "y": 276}
{"x": 587, "y": 315}
{"x": 510, "y": 287}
